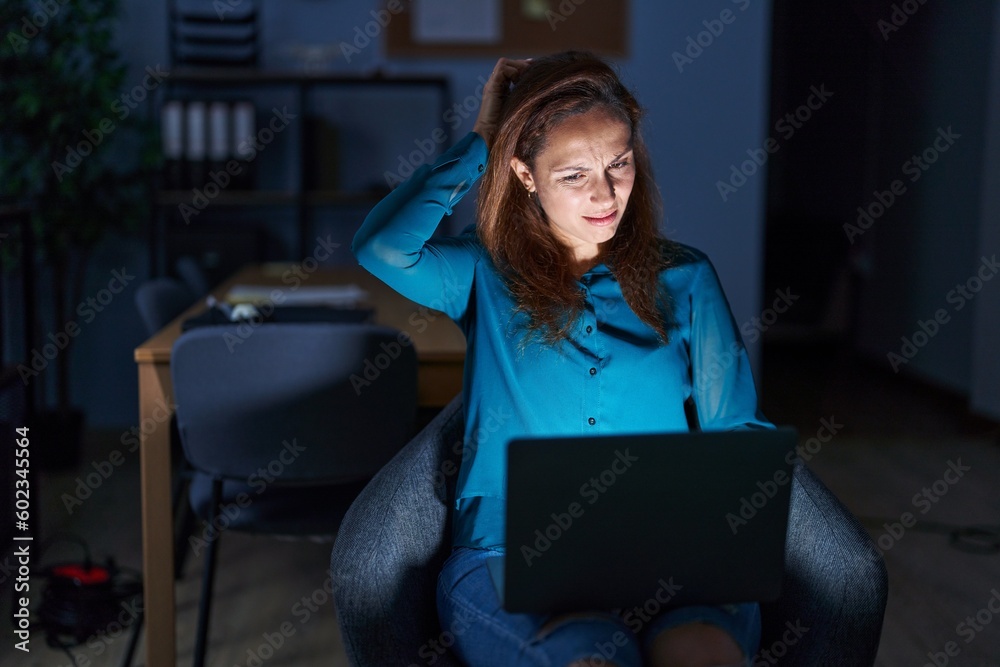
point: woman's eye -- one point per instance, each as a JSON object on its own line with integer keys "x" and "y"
{"x": 621, "y": 164}
{"x": 572, "y": 178}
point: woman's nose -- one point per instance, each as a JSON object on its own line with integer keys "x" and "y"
{"x": 604, "y": 190}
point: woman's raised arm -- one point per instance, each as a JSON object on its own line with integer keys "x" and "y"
{"x": 395, "y": 241}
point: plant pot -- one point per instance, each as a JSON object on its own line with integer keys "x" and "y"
{"x": 57, "y": 436}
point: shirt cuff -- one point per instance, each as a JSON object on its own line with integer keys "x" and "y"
{"x": 470, "y": 152}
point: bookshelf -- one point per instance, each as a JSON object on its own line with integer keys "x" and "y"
{"x": 176, "y": 208}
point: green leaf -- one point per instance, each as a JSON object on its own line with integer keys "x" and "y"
{"x": 29, "y": 104}
{"x": 50, "y": 95}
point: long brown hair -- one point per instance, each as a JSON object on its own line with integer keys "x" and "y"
{"x": 536, "y": 266}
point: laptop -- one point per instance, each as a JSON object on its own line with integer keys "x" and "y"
{"x": 610, "y": 522}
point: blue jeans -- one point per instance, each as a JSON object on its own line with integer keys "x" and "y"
{"x": 487, "y": 635}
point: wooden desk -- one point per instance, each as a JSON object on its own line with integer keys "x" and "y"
{"x": 440, "y": 348}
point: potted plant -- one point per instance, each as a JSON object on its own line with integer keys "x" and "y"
{"x": 76, "y": 148}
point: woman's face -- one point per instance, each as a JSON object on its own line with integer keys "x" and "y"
{"x": 583, "y": 178}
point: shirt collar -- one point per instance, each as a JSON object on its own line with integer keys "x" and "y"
{"x": 599, "y": 269}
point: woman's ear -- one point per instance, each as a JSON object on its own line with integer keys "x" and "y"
{"x": 523, "y": 173}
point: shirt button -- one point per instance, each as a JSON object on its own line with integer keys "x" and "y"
{"x": 591, "y": 421}
{"x": 481, "y": 167}
{"x": 593, "y": 371}
{"x": 589, "y": 328}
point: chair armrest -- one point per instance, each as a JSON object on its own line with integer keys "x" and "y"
{"x": 835, "y": 587}
{"x": 391, "y": 546}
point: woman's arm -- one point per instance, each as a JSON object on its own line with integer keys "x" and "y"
{"x": 394, "y": 242}
{"x": 722, "y": 380}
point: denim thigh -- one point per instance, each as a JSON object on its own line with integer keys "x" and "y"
{"x": 486, "y": 635}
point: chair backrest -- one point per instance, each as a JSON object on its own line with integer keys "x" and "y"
{"x": 307, "y": 403}
{"x": 160, "y": 300}
{"x": 193, "y": 275}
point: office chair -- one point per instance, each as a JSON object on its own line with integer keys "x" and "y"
{"x": 320, "y": 406}
{"x": 193, "y": 275}
{"x": 396, "y": 536}
{"x": 160, "y": 300}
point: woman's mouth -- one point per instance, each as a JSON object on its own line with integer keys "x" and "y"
{"x": 605, "y": 219}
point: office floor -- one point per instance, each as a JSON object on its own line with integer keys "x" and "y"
{"x": 897, "y": 448}
{"x": 893, "y": 438}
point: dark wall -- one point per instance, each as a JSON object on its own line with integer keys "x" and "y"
{"x": 905, "y": 74}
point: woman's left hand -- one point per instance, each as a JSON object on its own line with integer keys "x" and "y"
{"x": 504, "y": 73}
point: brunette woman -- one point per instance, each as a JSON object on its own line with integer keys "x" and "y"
{"x": 580, "y": 319}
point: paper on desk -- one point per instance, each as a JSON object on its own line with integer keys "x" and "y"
{"x": 340, "y": 296}
{"x": 456, "y": 21}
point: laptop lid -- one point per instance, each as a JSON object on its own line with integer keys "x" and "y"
{"x": 615, "y": 521}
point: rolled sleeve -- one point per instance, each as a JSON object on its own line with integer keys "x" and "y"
{"x": 395, "y": 241}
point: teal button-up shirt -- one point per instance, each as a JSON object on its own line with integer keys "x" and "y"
{"x": 612, "y": 375}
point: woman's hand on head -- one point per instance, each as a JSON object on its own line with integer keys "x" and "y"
{"x": 504, "y": 73}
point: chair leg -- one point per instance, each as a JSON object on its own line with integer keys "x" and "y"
{"x": 207, "y": 581}
{"x": 183, "y": 514}
{"x": 133, "y": 640}
{"x": 185, "y": 527}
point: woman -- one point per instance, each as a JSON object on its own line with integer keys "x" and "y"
{"x": 579, "y": 319}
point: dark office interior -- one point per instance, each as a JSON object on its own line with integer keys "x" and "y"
{"x": 838, "y": 162}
